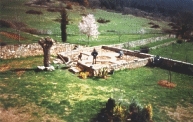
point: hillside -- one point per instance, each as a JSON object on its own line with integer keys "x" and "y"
{"x": 28, "y": 21}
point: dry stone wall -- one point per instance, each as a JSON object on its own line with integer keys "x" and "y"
{"x": 175, "y": 65}
{"x": 24, "y": 50}
{"x": 143, "y": 41}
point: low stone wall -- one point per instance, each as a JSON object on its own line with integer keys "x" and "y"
{"x": 142, "y": 41}
{"x": 162, "y": 45}
{"x": 132, "y": 64}
{"x": 175, "y": 65}
{"x": 24, "y": 50}
{"x": 116, "y": 67}
{"x": 128, "y": 52}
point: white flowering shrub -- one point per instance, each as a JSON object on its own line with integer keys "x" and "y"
{"x": 88, "y": 26}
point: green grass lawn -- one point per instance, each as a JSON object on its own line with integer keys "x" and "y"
{"x": 62, "y": 96}
{"x": 176, "y": 51}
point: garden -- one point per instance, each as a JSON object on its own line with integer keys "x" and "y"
{"x": 30, "y": 94}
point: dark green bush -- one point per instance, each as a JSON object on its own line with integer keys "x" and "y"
{"x": 144, "y": 49}
{"x": 33, "y": 12}
{"x": 179, "y": 41}
{"x": 7, "y": 24}
{"x": 102, "y": 20}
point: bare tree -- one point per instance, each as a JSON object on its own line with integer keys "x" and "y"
{"x": 46, "y": 44}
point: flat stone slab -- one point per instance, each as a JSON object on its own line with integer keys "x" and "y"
{"x": 74, "y": 69}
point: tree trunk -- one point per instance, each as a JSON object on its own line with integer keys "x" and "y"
{"x": 46, "y": 44}
{"x": 64, "y": 22}
{"x": 46, "y": 56}
{"x": 88, "y": 39}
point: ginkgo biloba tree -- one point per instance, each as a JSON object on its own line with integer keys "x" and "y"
{"x": 88, "y": 26}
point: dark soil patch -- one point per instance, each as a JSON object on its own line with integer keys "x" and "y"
{"x": 7, "y": 24}
{"x": 155, "y": 26}
{"x": 34, "y": 12}
{"x": 2, "y": 43}
{"x": 19, "y": 26}
{"x": 12, "y": 35}
{"x": 53, "y": 10}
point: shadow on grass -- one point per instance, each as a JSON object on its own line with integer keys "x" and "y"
{"x": 81, "y": 108}
{"x": 27, "y": 69}
{"x": 56, "y": 108}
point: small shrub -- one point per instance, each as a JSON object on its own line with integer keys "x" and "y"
{"x": 69, "y": 6}
{"x": 119, "y": 113}
{"x": 3, "y": 44}
{"x": 111, "y": 31}
{"x": 33, "y": 12}
{"x": 179, "y": 41}
{"x": 123, "y": 112}
{"x": 102, "y": 20}
{"x": 53, "y": 10}
{"x": 110, "y": 104}
{"x": 144, "y": 49}
{"x": 84, "y": 75}
{"x": 139, "y": 113}
{"x": 7, "y": 24}
{"x": 151, "y": 23}
{"x": 86, "y": 3}
{"x": 103, "y": 72}
{"x": 155, "y": 26}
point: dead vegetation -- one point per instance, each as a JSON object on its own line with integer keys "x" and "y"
{"x": 29, "y": 112}
{"x": 180, "y": 113}
{"x": 4, "y": 68}
{"x": 167, "y": 84}
{"x": 12, "y": 35}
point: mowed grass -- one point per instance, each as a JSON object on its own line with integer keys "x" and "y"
{"x": 121, "y": 28}
{"x": 182, "y": 52}
{"x": 62, "y": 96}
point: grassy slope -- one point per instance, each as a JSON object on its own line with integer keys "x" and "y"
{"x": 62, "y": 95}
{"x": 176, "y": 51}
{"x": 127, "y": 25}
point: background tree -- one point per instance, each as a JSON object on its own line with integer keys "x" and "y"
{"x": 64, "y": 22}
{"x": 86, "y": 3}
{"x": 88, "y": 26}
{"x": 46, "y": 44}
{"x": 184, "y": 25}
